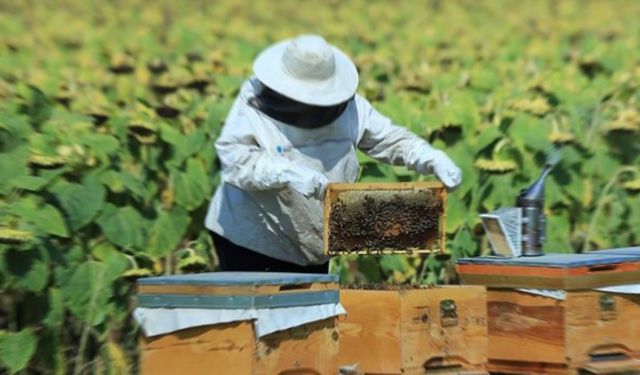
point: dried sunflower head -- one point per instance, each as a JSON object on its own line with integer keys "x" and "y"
{"x": 173, "y": 104}
{"x": 627, "y": 121}
{"x": 538, "y": 106}
{"x": 200, "y": 77}
{"x": 40, "y": 161}
{"x": 136, "y": 273}
{"x": 142, "y": 125}
{"x": 143, "y": 132}
{"x": 14, "y": 236}
{"x": 192, "y": 263}
{"x": 95, "y": 105}
{"x": 170, "y": 81}
{"x": 65, "y": 94}
{"x": 121, "y": 63}
{"x": 561, "y": 138}
{"x": 496, "y": 165}
{"x": 632, "y": 186}
{"x": 157, "y": 66}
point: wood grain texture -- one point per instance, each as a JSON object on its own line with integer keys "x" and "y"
{"x": 191, "y": 289}
{"x": 523, "y": 326}
{"x": 370, "y": 332}
{"x": 528, "y": 368}
{"x": 305, "y": 350}
{"x": 401, "y": 331}
{"x": 537, "y": 334}
{"x": 221, "y": 349}
{"x": 443, "y": 342}
{"x": 509, "y": 278}
{"x": 591, "y": 331}
{"x": 498, "y": 269}
{"x": 233, "y": 349}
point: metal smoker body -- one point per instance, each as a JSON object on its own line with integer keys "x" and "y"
{"x": 521, "y": 230}
{"x": 531, "y": 201}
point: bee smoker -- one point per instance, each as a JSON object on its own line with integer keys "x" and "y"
{"x": 531, "y": 202}
{"x": 520, "y": 231}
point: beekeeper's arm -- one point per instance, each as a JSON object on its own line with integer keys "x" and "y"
{"x": 379, "y": 138}
{"x": 249, "y": 166}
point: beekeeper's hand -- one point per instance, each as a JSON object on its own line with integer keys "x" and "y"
{"x": 305, "y": 181}
{"x": 434, "y": 161}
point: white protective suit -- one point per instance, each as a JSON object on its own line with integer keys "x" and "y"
{"x": 274, "y": 174}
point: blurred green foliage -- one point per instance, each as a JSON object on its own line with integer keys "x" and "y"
{"x": 108, "y": 112}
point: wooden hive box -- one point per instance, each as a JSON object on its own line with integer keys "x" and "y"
{"x": 551, "y": 271}
{"x": 376, "y": 218}
{"x": 415, "y": 330}
{"x": 589, "y": 332}
{"x": 234, "y": 348}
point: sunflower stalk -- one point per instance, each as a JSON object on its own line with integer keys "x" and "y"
{"x": 604, "y": 198}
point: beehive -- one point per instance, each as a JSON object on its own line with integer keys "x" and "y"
{"x": 552, "y": 271}
{"x": 589, "y": 332}
{"x": 414, "y": 330}
{"x": 234, "y": 347}
{"x": 384, "y": 217}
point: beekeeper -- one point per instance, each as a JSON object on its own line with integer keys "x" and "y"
{"x": 293, "y": 128}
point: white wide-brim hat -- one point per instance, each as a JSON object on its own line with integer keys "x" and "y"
{"x": 307, "y": 69}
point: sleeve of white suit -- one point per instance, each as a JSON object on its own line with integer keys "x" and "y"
{"x": 249, "y": 166}
{"x": 382, "y": 140}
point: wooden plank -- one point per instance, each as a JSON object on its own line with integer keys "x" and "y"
{"x": 370, "y": 332}
{"x": 191, "y": 289}
{"x": 401, "y": 331}
{"x": 337, "y": 187}
{"x": 309, "y": 349}
{"x": 627, "y": 366}
{"x": 492, "y": 269}
{"x": 444, "y": 371}
{"x": 387, "y": 252}
{"x": 556, "y": 260}
{"x": 232, "y": 349}
{"x": 227, "y": 348}
{"x": 592, "y": 331}
{"x": 528, "y": 368}
{"x": 567, "y": 283}
{"x": 442, "y": 342}
{"x": 525, "y": 327}
{"x": 537, "y": 334}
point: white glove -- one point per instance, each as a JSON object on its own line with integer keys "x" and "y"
{"x": 437, "y": 162}
{"x": 305, "y": 181}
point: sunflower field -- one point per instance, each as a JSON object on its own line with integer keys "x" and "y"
{"x": 109, "y": 111}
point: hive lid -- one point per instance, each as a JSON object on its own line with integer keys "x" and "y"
{"x": 239, "y": 278}
{"x": 237, "y": 290}
{"x": 551, "y": 271}
{"x": 618, "y": 251}
{"x": 554, "y": 260}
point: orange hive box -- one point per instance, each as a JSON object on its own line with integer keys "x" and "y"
{"x": 415, "y": 330}
{"x": 551, "y": 271}
{"x": 234, "y": 348}
{"x": 589, "y": 332}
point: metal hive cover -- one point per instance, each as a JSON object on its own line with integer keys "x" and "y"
{"x": 235, "y": 290}
{"x": 553, "y": 260}
{"x": 618, "y": 251}
{"x": 240, "y": 278}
